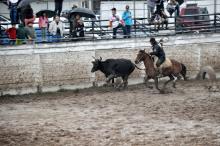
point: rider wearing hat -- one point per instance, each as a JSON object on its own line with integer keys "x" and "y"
{"x": 157, "y": 51}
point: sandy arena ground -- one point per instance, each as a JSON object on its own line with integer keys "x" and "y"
{"x": 137, "y": 116}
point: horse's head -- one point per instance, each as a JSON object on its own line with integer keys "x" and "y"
{"x": 141, "y": 56}
{"x": 96, "y": 64}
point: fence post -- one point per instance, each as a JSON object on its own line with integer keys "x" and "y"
{"x": 215, "y": 4}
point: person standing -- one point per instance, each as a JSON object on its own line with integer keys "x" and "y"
{"x": 116, "y": 22}
{"x": 159, "y": 5}
{"x": 173, "y": 6}
{"x": 150, "y": 9}
{"x": 12, "y": 34}
{"x": 58, "y": 6}
{"x": 43, "y": 23}
{"x": 13, "y": 11}
{"x": 127, "y": 17}
{"x": 56, "y": 28}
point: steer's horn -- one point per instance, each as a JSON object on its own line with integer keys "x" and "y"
{"x": 93, "y": 57}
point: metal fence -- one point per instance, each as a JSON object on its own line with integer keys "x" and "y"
{"x": 99, "y": 30}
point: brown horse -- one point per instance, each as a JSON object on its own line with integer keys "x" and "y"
{"x": 176, "y": 69}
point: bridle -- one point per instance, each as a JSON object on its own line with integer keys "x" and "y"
{"x": 140, "y": 58}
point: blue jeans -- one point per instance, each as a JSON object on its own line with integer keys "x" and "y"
{"x": 13, "y": 15}
{"x": 128, "y": 31}
{"x": 116, "y": 28}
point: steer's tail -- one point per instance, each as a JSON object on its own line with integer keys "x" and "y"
{"x": 138, "y": 67}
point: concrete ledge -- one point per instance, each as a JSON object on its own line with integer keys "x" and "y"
{"x": 67, "y": 66}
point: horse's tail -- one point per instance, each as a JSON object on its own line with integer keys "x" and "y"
{"x": 183, "y": 71}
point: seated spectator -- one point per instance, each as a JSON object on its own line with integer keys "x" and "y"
{"x": 116, "y": 22}
{"x": 156, "y": 20}
{"x": 12, "y": 34}
{"x": 164, "y": 19}
{"x": 21, "y": 35}
{"x": 43, "y": 23}
{"x": 30, "y": 33}
{"x": 56, "y": 28}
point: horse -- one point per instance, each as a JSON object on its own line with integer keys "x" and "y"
{"x": 175, "y": 69}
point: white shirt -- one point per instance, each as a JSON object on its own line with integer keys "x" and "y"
{"x": 13, "y": 1}
{"x": 115, "y": 20}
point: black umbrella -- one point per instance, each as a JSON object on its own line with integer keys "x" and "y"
{"x": 49, "y": 13}
{"x": 23, "y": 3}
{"x": 83, "y": 12}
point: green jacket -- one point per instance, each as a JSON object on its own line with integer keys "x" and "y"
{"x": 21, "y": 33}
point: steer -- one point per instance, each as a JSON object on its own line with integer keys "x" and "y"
{"x": 113, "y": 68}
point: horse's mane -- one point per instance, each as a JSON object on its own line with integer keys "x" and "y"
{"x": 147, "y": 54}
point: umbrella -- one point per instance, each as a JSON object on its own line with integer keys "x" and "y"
{"x": 49, "y": 13}
{"x": 83, "y": 12}
{"x": 23, "y": 3}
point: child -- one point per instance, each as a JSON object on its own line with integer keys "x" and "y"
{"x": 12, "y": 34}
{"x": 43, "y": 23}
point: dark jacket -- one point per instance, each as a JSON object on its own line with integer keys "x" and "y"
{"x": 158, "y": 51}
{"x": 21, "y": 33}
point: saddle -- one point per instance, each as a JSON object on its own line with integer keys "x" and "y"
{"x": 167, "y": 63}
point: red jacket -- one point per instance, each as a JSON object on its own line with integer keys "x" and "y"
{"x": 11, "y": 32}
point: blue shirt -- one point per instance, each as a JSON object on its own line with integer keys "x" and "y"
{"x": 126, "y": 16}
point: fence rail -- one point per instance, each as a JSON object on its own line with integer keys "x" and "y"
{"x": 98, "y": 30}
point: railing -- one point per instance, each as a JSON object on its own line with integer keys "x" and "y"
{"x": 98, "y": 29}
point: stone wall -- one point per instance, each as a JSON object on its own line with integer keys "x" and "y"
{"x": 51, "y": 67}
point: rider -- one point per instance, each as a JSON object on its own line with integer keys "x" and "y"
{"x": 157, "y": 51}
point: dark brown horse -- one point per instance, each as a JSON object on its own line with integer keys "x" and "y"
{"x": 176, "y": 69}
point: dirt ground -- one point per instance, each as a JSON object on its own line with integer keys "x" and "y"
{"x": 137, "y": 116}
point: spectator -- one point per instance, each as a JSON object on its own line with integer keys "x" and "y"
{"x": 12, "y": 34}
{"x": 58, "y": 7}
{"x": 173, "y": 6}
{"x": 164, "y": 19}
{"x": 13, "y": 11}
{"x": 28, "y": 16}
{"x": 21, "y": 34}
{"x": 78, "y": 27}
{"x": 156, "y": 19}
{"x": 72, "y": 20}
{"x": 126, "y": 16}
{"x": 150, "y": 9}
{"x": 30, "y": 33}
{"x": 116, "y": 22}
{"x": 159, "y": 5}
{"x": 56, "y": 29}
{"x": 43, "y": 23}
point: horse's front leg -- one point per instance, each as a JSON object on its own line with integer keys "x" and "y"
{"x": 146, "y": 79}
